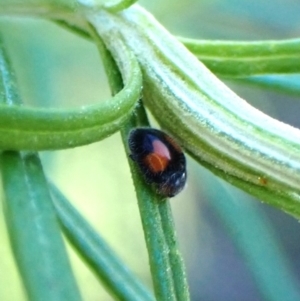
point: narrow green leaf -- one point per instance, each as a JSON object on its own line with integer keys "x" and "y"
{"x": 117, "y": 5}
{"x": 34, "y": 231}
{"x": 242, "y": 59}
{"x": 158, "y": 250}
{"x": 118, "y": 279}
{"x": 31, "y": 221}
{"x": 38, "y": 8}
{"x": 80, "y": 31}
{"x": 37, "y": 129}
{"x": 160, "y": 236}
{"x": 282, "y": 83}
{"x": 289, "y": 84}
{"x": 176, "y": 261}
{"x": 256, "y": 240}
{"x": 155, "y": 241}
{"x": 9, "y": 92}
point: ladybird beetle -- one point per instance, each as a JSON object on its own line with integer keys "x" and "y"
{"x": 160, "y": 160}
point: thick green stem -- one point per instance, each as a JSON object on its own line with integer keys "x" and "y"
{"x": 221, "y": 130}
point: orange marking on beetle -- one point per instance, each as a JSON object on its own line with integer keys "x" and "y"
{"x": 158, "y": 160}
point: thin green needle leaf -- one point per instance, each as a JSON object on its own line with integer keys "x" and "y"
{"x": 256, "y": 240}
{"x": 176, "y": 261}
{"x": 34, "y": 231}
{"x": 282, "y": 199}
{"x": 289, "y": 84}
{"x": 9, "y": 93}
{"x": 118, "y": 279}
{"x": 158, "y": 250}
{"x": 31, "y": 221}
{"x": 242, "y": 59}
{"x": 148, "y": 201}
{"x": 117, "y": 5}
{"x": 109, "y": 5}
{"x": 80, "y": 31}
{"x": 282, "y": 83}
{"x": 37, "y": 129}
{"x": 177, "y": 266}
{"x": 38, "y": 8}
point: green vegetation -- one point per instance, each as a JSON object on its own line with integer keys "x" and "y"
{"x": 216, "y": 127}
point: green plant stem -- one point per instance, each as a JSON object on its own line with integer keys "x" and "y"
{"x": 242, "y": 59}
{"x": 117, "y": 278}
{"x": 166, "y": 265}
{"x": 219, "y": 129}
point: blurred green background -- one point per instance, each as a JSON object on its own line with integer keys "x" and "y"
{"x": 217, "y": 224}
